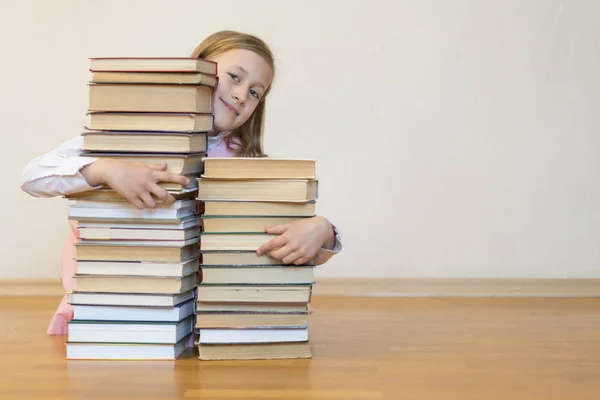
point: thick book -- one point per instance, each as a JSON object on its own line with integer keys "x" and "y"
{"x": 125, "y": 351}
{"x": 257, "y": 351}
{"x": 135, "y": 284}
{"x": 258, "y": 168}
{"x": 276, "y": 190}
{"x": 150, "y": 98}
{"x": 83, "y": 331}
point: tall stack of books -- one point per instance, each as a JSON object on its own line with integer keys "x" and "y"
{"x": 137, "y": 270}
{"x": 250, "y": 306}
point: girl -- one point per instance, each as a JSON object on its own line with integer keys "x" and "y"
{"x": 246, "y": 68}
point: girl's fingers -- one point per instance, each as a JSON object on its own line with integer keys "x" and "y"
{"x": 147, "y": 199}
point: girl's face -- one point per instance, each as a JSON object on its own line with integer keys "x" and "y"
{"x": 244, "y": 77}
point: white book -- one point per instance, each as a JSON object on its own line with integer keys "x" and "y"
{"x": 146, "y": 214}
{"x": 278, "y": 335}
{"x": 122, "y": 351}
{"x": 129, "y": 332}
{"x": 128, "y": 313}
{"x": 126, "y": 205}
{"x": 130, "y": 299}
{"x": 188, "y": 222}
{"x": 137, "y": 268}
{"x": 113, "y": 233}
{"x": 152, "y": 243}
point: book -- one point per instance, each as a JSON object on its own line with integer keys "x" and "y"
{"x": 242, "y": 224}
{"x": 150, "y": 98}
{"x": 258, "y": 168}
{"x": 130, "y": 299}
{"x": 157, "y": 64}
{"x": 259, "y": 351}
{"x": 159, "y": 122}
{"x": 236, "y": 257}
{"x": 250, "y": 320}
{"x": 253, "y": 335}
{"x": 107, "y": 194}
{"x": 238, "y": 241}
{"x": 226, "y": 307}
{"x": 125, "y": 351}
{"x": 133, "y": 313}
{"x": 137, "y": 268}
{"x": 135, "y": 284}
{"x": 268, "y": 190}
{"x": 254, "y": 293}
{"x": 258, "y": 275}
{"x": 259, "y": 208}
{"x": 153, "y": 332}
{"x": 138, "y": 233}
{"x": 147, "y": 142}
{"x": 173, "y": 78}
{"x": 184, "y": 223}
{"x": 112, "y": 251}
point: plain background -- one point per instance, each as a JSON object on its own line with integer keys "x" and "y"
{"x": 453, "y": 138}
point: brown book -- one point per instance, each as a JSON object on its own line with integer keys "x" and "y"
{"x": 236, "y": 258}
{"x": 238, "y": 241}
{"x": 241, "y": 224}
{"x": 156, "y": 64}
{"x": 260, "y": 351}
{"x": 116, "y": 252}
{"x": 259, "y": 208}
{"x": 258, "y": 275}
{"x": 150, "y": 98}
{"x": 173, "y": 78}
{"x": 184, "y": 164}
{"x": 161, "y": 122}
{"x": 250, "y": 320}
{"x": 107, "y": 194}
{"x": 254, "y": 293}
{"x": 277, "y": 190}
{"x": 251, "y": 307}
{"x": 134, "y": 284}
{"x": 157, "y": 142}
{"x": 258, "y": 168}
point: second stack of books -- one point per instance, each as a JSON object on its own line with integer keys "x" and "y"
{"x": 137, "y": 269}
{"x": 250, "y": 306}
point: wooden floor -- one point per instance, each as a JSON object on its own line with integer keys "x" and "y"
{"x": 363, "y": 348}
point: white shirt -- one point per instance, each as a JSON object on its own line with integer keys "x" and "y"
{"x": 57, "y": 173}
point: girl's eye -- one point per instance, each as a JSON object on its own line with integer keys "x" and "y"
{"x": 234, "y": 77}
{"x": 254, "y": 93}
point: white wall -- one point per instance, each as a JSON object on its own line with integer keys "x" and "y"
{"x": 453, "y": 138}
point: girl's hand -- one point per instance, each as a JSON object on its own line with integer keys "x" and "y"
{"x": 299, "y": 241}
{"x": 135, "y": 181}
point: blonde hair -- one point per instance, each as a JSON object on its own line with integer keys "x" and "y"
{"x": 249, "y": 135}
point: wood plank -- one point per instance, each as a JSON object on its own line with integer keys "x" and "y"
{"x": 389, "y": 348}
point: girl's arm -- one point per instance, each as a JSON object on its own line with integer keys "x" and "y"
{"x": 58, "y": 172}
{"x": 302, "y": 241}
{"x": 64, "y": 171}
